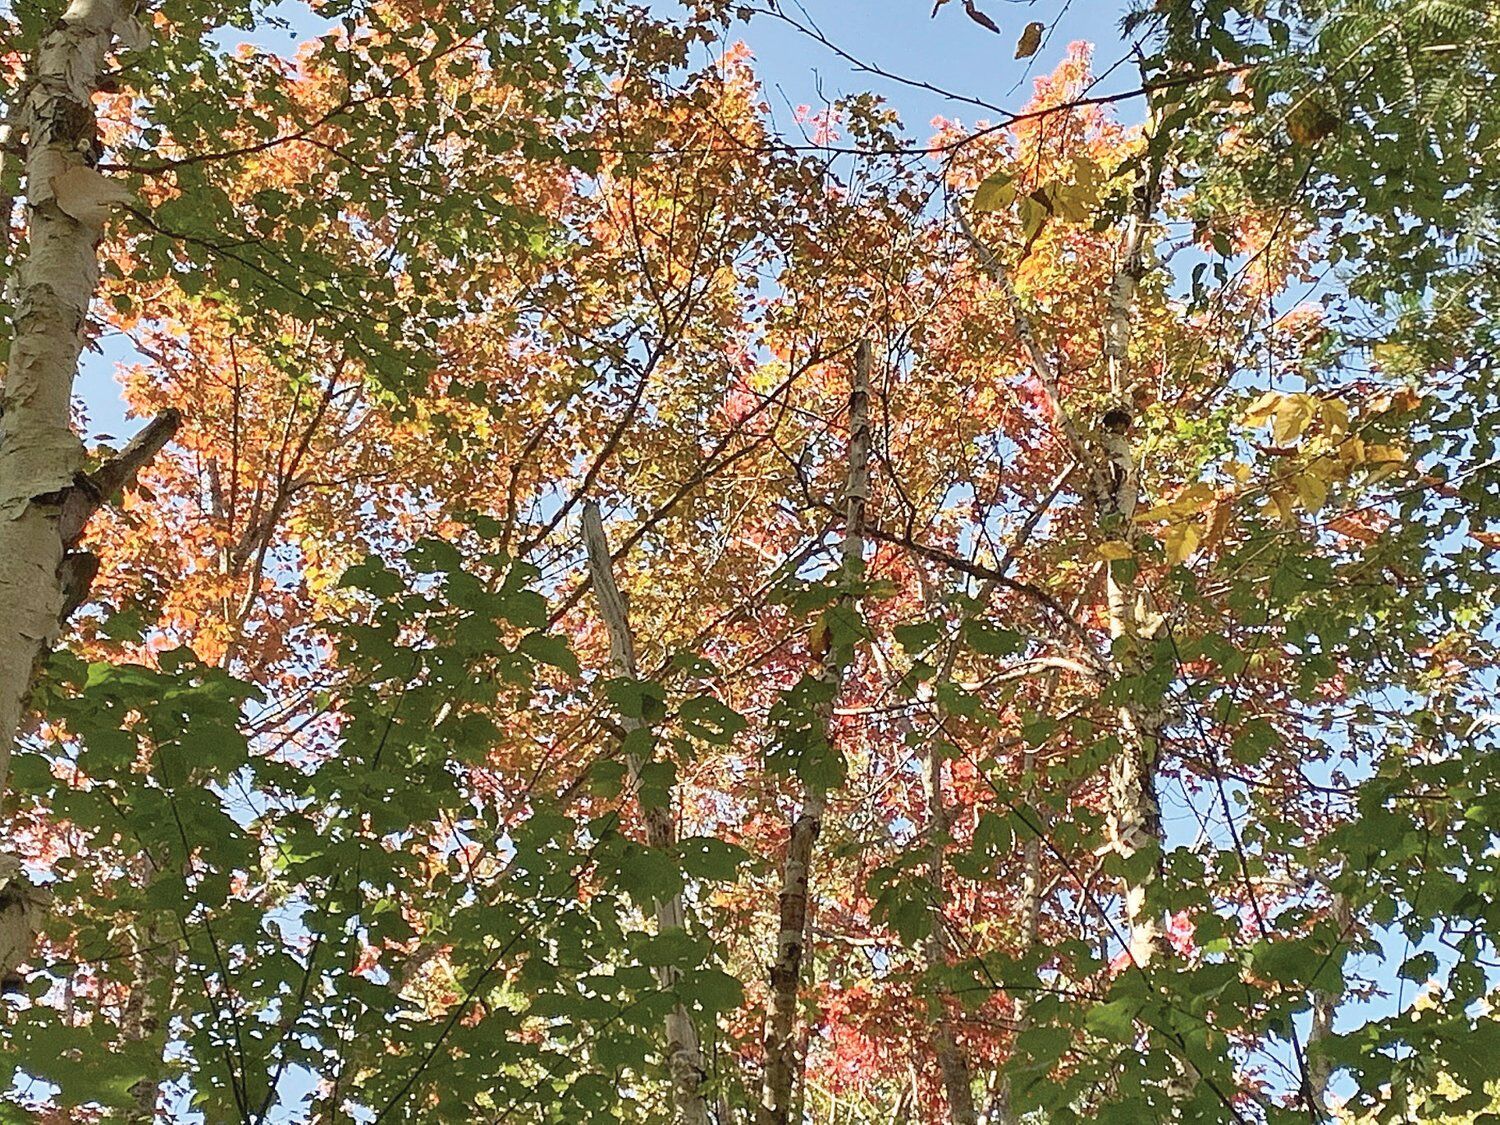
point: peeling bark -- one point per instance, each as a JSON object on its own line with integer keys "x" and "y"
{"x": 684, "y": 1057}
{"x": 1134, "y": 815}
{"x": 40, "y": 456}
{"x": 784, "y": 1060}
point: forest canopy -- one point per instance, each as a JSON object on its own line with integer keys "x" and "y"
{"x": 542, "y": 581}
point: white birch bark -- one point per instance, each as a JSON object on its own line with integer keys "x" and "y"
{"x": 1134, "y": 812}
{"x": 67, "y": 202}
{"x": 684, "y": 1057}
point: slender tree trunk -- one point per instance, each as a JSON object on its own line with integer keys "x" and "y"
{"x": 684, "y": 1057}
{"x": 1324, "y": 1008}
{"x": 1031, "y": 914}
{"x": 958, "y": 1079}
{"x": 154, "y": 962}
{"x": 1134, "y": 814}
{"x": 1134, "y": 811}
{"x": 1112, "y": 488}
{"x": 784, "y": 1060}
{"x": 40, "y": 457}
{"x": 937, "y": 949}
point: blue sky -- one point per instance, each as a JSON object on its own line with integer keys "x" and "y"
{"x": 948, "y": 51}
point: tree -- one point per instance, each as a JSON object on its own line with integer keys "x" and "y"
{"x": 609, "y": 550}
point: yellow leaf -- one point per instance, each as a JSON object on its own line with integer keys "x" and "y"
{"x": 1181, "y": 541}
{"x": 1263, "y": 409}
{"x": 1034, "y": 211}
{"x": 1395, "y": 359}
{"x": 1114, "y": 549}
{"x": 1281, "y": 500}
{"x": 1383, "y": 461}
{"x": 1334, "y": 414}
{"x": 1292, "y": 416}
{"x": 1311, "y": 490}
{"x": 1076, "y": 199}
{"x": 1190, "y": 501}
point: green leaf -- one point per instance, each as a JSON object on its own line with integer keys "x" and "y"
{"x": 550, "y": 649}
{"x": 1114, "y": 1020}
{"x": 991, "y": 640}
{"x": 638, "y": 699}
{"x": 707, "y": 718}
{"x": 711, "y": 990}
{"x": 995, "y": 193}
{"x": 704, "y": 857}
{"x": 918, "y": 637}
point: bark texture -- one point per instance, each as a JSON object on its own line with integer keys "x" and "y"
{"x": 67, "y": 202}
{"x": 684, "y": 1057}
{"x": 783, "y": 1053}
{"x": 22, "y": 908}
{"x": 1134, "y": 813}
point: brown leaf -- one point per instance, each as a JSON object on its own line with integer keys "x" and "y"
{"x": 980, "y": 18}
{"x": 1031, "y": 39}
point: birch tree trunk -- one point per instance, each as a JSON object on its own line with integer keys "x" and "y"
{"x": 784, "y": 1061}
{"x": 67, "y": 202}
{"x": 1112, "y": 489}
{"x": 1109, "y": 458}
{"x": 684, "y": 1057}
{"x": 1134, "y": 814}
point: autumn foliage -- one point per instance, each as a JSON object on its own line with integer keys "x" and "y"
{"x": 1130, "y": 724}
